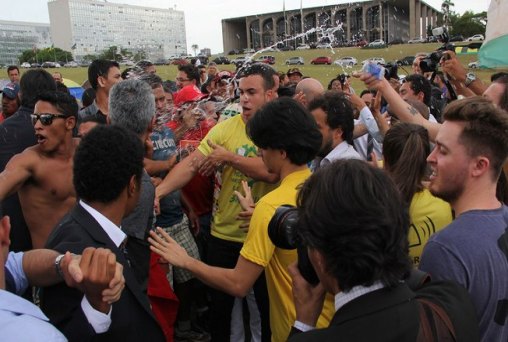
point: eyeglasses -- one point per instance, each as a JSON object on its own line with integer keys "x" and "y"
{"x": 46, "y": 118}
{"x": 179, "y": 79}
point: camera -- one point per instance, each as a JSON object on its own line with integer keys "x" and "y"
{"x": 431, "y": 61}
{"x": 283, "y": 231}
{"x": 391, "y": 71}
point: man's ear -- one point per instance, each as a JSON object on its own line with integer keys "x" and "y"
{"x": 70, "y": 122}
{"x": 101, "y": 81}
{"x": 481, "y": 165}
{"x": 133, "y": 186}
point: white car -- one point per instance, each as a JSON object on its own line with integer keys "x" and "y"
{"x": 25, "y": 65}
{"x": 323, "y": 46}
{"x": 249, "y": 51}
{"x": 474, "y": 65}
{"x": 346, "y": 61}
{"x": 416, "y": 41}
{"x": 476, "y": 37}
{"x": 377, "y": 43}
{"x": 378, "y": 60}
{"x": 303, "y": 47}
{"x": 71, "y": 64}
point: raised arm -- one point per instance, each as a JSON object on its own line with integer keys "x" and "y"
{"x": 16, "y": 172}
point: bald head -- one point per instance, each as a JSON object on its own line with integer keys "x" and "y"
{"x": 311, "y": 88}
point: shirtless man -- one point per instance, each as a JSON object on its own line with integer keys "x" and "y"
{"x": 42, "y": 174}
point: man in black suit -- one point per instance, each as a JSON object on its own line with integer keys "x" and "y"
{"x": 353, "y": 222}
{"x": 107, "y": 172}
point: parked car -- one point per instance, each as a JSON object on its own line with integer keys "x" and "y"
{"x": 295, "y": 60}
{"x": 323, "y": 46}
{"x": 180, "y": 61}
{"x": 378, "y": 60}
{"x": 25, "y": 65}
{"x": 408, "y": 60}
{"x": 476, "y": 37}
{"x": 50, "y": 65}
{"x": 222, "y": 60}
{"x": 473, "y": 65}
{"x": 266, "y": 59}
{"x": 35, "y": 65}
{"x": 432, "y": 39}
{"x": 346, "y": 61}
{"x": 457, "y": 38}
{"x": 71, "y": 64}
{"x": 287, "y": 48}
{"x": 234, "y": 52}
{"x": 238, "y": 61}
{"x": 249, "y": 51}
{"x": 303, "y": 47}
{"x": 321, "y": 60}
{"x": 378, "y": 43}
{"x": 360, "y": 43}
{"x": 416, "y": 40}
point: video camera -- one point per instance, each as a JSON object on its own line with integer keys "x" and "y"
{"x": 431, "y": 62}
{"x": 283, "y": 231}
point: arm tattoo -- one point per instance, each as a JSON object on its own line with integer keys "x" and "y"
{"x": 413, "y": 111}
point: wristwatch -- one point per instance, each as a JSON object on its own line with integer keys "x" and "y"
{"x": 470, "y": 78}
{"x": 58, "y": 266}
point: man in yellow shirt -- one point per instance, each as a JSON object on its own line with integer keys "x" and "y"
{"x": 230, "y": 153}
{"x": 288, "y": 138}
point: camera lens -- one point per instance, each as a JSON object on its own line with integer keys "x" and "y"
{"x": 282, "y": 227}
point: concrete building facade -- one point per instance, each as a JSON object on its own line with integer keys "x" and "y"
{"x": 17, "y": 36}
{"x": 389, "y": 20}
{"x": 91, "y": 26}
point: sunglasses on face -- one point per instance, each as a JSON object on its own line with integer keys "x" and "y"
{"x": 46, "y": 119}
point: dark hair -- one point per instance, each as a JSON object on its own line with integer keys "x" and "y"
{"x": 32, "y": 83}
{"x": 169, "y": 87}
{"x": 88, "y": 97}
{"x": 99, "y": 67}
{"x": 144, "y": 64}
{"x": 353, "y": 214}
{"x": 284, "y": 124}
{"x": 62, "y": 88}
{"x": 405, "y": 150}
{"x": 502, "y": 78}
{"x": 153, "y": 80}
{"x": 419, "y": 84}
{"x": 339, "y": 112}
{"x": 288, "y": 91}
{"x": 261, "y": 69}
{"x": 331, "y": 82}
{"x": 485, "y": 131}
{"x": 368, "y": 91}
{"x": 65, "y": 103}
{"x": 102, "y": 170}
{"x": 12, "y": 67}
{"x": 191, "y": 71}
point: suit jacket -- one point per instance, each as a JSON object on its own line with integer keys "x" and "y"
{"x": 392, "y": 315}
{"x": 131, "y": 316}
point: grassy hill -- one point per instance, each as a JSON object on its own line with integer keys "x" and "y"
{"x": 323, "y": 73}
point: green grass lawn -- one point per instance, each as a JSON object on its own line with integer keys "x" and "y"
{"x": 324, "y": 73}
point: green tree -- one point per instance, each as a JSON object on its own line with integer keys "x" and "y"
{"x": 89, "y": 57}
{"x": 112, "y": 53}
{"x": 139, "y": 55}
{"x": 469, "y": 23}
{"x": 44, "y": 55}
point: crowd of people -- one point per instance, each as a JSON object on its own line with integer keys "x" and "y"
{"x": 155, "y": 209}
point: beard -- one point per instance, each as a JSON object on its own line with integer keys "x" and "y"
{"x": 326, "y": 148}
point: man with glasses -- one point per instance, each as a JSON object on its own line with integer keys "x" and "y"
{"x": 188, "y": 82}
{"x": 42, "y": 174}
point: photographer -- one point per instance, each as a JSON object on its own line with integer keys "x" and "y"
{"x": 465, "y": 83}
{"x": 352, "y": 222}
{"x": 288, "y": 138}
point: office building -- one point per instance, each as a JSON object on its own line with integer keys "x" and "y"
{"x": 390, "y": 20}
{"x": 88, "y": 27}
{"x": 17, "y": 36}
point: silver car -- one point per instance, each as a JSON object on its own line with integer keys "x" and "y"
{"x": 295, "y": 61}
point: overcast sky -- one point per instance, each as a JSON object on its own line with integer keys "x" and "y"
{"x": 203, "y": 17}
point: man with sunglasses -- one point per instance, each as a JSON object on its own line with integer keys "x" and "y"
{"x": 42, "y": 174}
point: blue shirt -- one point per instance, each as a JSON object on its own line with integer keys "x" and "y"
{"x": 164, "y": 148}
{"x": 22, "y": 321}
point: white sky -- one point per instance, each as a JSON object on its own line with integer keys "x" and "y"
{"x": 203, "y": 17}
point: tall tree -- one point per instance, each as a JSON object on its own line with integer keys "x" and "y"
{"x": 469, "y": 24}
{"x": 45, "y": 55}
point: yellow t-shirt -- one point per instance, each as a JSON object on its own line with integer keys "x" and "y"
{"x": 231, "y": 135}
{"x": 427, "y": 214}
{"x": 259, "y": 249}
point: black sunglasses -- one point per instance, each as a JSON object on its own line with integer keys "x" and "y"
{"x": 46, "y": 118}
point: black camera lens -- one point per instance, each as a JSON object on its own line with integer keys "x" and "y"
{"x": 283, "y": 231}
